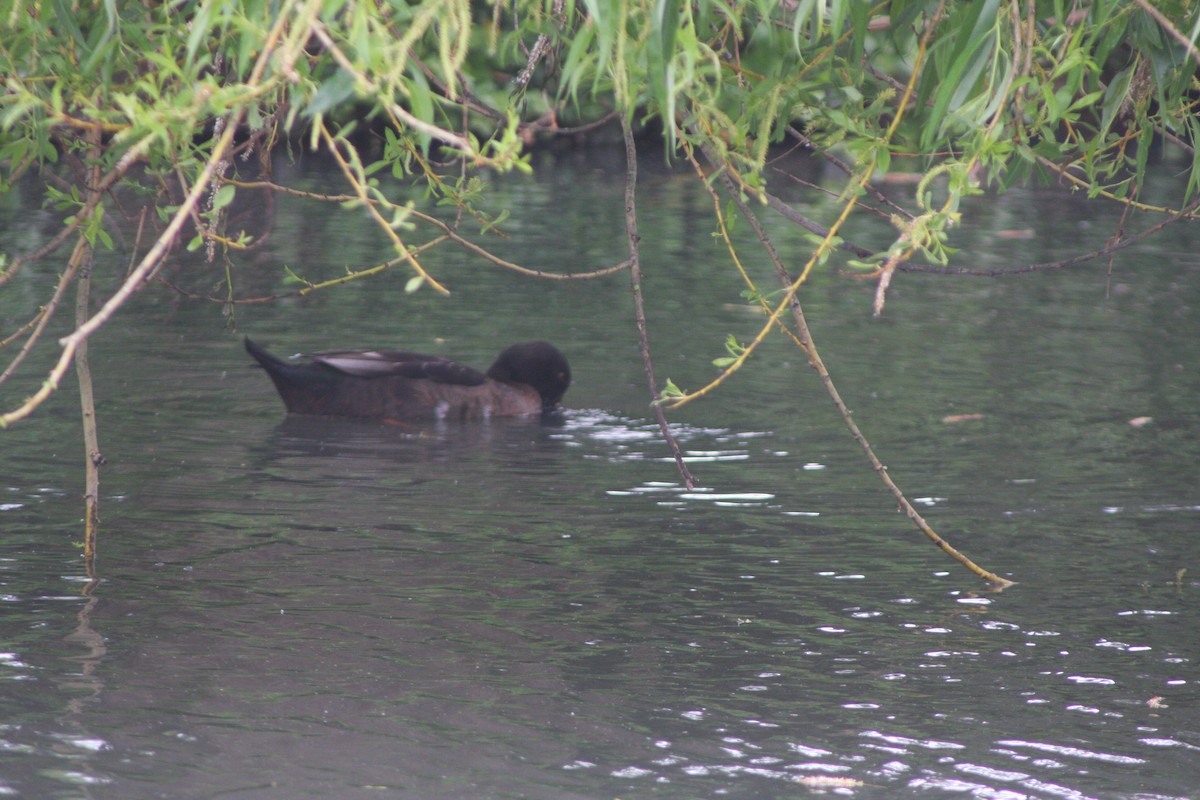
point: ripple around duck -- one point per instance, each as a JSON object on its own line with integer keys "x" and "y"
{"x": 602, "y": 429}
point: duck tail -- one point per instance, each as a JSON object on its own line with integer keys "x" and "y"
{"x": 264, "y": 359}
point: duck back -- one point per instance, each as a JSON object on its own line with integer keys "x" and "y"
{"x": 454, "y": 393}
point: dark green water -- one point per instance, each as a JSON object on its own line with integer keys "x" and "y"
{"x": 297, "y": 608}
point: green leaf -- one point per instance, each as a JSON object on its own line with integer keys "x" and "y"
{"x": 333, "y": 92}
{"x": 971, "y": 52}
{"x": 664, "y": 25}
{"x": 1050, "y": 99}
{"x": 606, "y": 20}
{"x": 733, "y": 346}
{"x": 421, "y": 99}
{"x": 575, "y": 63}
{"x": 223, "y": 197}
{"x": 670, "y": 392}
{"x": 1114, "y": 98}
{"x": 199, "y": 28}
{"x": 883, "y": 159}
{"x": 1086, "y": 101}
{"x": 67, "y": 21}
{"x": 100, "y": 50}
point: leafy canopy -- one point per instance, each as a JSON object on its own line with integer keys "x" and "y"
{"x": 188, "y": 92}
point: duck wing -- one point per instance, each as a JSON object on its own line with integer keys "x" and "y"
{"x": 383, "y": 363}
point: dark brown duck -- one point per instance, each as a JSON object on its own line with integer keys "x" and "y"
{"x": 526, "y": 380}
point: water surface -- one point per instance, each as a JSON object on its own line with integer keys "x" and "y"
{"x": 295, "y": 608}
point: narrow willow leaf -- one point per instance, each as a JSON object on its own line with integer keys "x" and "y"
{"x": 66, "y": 20}
{"x": 223, "y": 197}
{"x": 1114, "y": 98}
{"x": 804, "y": 11}
{"x": 333, "y": 92}
{"x": 664, "y": 23}
{"x": 605, "y": 19}
{"x": 837, "y": 16}
{"x": 969, "y": 55}
{"x": 199, "y": 29}
{"x": 100, "y": 49}
{"x": 421, "y": 99}
{"x": 578, "y": 60}
{"x": 883, "y": 160}
{"x": 979, "y": 60}
{"x": 1086, "y": 101}
{"x": 1194, "y": 135}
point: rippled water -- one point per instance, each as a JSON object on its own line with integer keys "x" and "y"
{"x": 296, "y": 608}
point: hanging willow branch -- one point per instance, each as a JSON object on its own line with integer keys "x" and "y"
{"x": 635, "y": 285}
{"x": 814, "y": 359}
{"x": 803, "y": 334}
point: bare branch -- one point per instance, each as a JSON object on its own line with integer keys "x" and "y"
{"x": 639, "y": 311}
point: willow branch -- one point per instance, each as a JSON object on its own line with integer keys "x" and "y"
{"x": 815, "y": 360}
{"x": 83, "y": 256}
{"x": 150, "y": 261}
{"x": 44, "y": 318}
{"x": 450, "y": 138}
{"x": 85, "y": 212}
{"x": 362, "y": 196}
{"x": 639, "y": 311}
{"x": 448, "y": 232}
{"x": 83, "y": 259}
{"x": 1170, "y": 28}
{"x": 727, "y": 239}
{"x": 792, "y": 303}
{"x": 19, "y": 332}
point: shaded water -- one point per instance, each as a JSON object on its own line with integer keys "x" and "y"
{"x": 299, "y": 608}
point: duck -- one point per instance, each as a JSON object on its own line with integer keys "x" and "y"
{"x": 526, "y": 380}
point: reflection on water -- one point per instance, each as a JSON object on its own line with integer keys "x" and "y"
{"x": 299, "y": 607}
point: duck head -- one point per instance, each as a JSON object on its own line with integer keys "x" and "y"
{"x": 537, "y": 364}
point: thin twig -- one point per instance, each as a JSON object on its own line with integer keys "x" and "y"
{"x": 12, "y": 337}
{"x": 85, "y": 212}
{"x": 814, "y": 358}
{"x": 639, "y": 311}
{"x": 450, "y": 233}
{"x": 846, "y": 169}
{"x": 449, "y": 138}
{"x": 42, "y": 320}
{"x": 363, "y": 196}
{"x": 84, "y": 257}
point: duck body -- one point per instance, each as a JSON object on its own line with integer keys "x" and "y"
{"x": 526, "y": 380}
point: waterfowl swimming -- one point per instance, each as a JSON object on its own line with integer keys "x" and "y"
{"x": 526, "y": 380}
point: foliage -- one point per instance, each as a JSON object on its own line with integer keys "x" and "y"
{"x": 177, "y": 108}
{"x": 1008, "y": 90}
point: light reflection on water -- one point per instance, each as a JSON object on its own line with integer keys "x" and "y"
{"x": 574, "y": 655}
